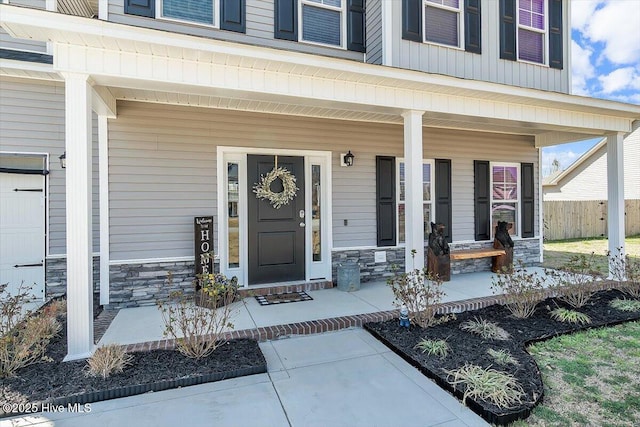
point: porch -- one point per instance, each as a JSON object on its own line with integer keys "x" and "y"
{"x": 330, "y": 310}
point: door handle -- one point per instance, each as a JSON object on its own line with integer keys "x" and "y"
{"x": 302, "y": 224}
{"x": 27, "y": 265}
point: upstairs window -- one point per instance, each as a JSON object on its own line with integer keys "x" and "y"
{"x": 196, "y": 11}
{"x": 322, "y": 21}
{"x": 442, "y": 22}
{"x": 532, "y": 30}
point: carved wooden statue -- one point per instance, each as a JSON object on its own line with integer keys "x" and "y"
{"x": 438, "y": 261}
{"x": 503, "y": 240}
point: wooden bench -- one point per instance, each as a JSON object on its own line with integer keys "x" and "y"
{"x": 476, "y": 253}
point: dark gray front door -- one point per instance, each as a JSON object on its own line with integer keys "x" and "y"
{"x": 276, "y": 236}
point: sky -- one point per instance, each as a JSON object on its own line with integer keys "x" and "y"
{"x": 605, "y": 62}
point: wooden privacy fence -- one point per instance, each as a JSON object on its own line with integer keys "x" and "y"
{"x": 572, "y": 219}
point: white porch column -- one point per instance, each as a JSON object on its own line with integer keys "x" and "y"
{"x": 414, "y": 213}
{"x": 78, "y": 206}
{"x": 615, "y": 195}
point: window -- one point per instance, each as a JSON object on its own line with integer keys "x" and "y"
{"x": 196, "y": 11}
{"x": 532, "y": 30}
{"x": 427, "y": 198}
{"x": 505, "y": 201}
{"x": 316, "y": 212}
{"x": 233, "y": 244}
{"x": 322, "y": 21}
{"x": 442, "y": 23}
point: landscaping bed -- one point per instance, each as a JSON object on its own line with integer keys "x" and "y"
{"x": 467, "y": 348}
{"x": 60, "y": 383}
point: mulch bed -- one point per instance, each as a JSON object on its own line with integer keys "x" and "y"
{"x": 62, "y": 383}
{"x": 469, "y": 348}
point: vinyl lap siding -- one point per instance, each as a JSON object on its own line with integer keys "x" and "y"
{"x": 259, "y": 29}
{"x": 32, "y": 120}
{"x": 162, "y": 170}
{"x": 374, "y": 31}
{"x": 486, "y": 67}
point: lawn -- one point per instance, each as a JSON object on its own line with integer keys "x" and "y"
{"x": 558, "y": 252}
{"x": 590, "y": 378}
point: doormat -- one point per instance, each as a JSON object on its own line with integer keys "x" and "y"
{"x": 283, "y": 298}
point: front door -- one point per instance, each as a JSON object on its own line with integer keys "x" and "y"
{"x": 275, "y": 236}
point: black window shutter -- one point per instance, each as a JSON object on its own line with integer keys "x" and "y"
{"x": 412, "y": 20}
{"x": 145, "y": 8}
{"x": 555, "y": 34}
{"x": 472, "y": 26}
{"x": 528, "y": 200}
{"x": 386, "y": 200}
{"x": 508, "y": 29}
{"x": 355, "y": 25}
{"x": 286, "y": 20}
{"x": 482, "y": 200}
{"x": 443, "y": 195}
{"x": 232, "y": 15}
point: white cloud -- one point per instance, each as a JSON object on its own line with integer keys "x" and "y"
{"x": 565, "y": 156}
{"x": 581, "y": 12}
{"x": 616, "y": 24}
{"x": 581, "y": 67}
{"x": 620, "y": 79}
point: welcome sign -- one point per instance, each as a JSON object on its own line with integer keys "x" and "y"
{"x": 203, "y": 236}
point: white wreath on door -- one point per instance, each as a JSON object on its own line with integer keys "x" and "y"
{"x": 277, "y": 200}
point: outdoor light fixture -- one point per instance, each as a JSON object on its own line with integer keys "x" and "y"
{"x": 63, "y": 160}
{"x": 348, "y": 159}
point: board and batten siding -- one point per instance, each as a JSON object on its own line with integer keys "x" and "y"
{"x": 162, "y": 170}
{"x": 373, "y": 23}
{"x": 32, "y": 121}
{"x": 488, "y": 66}
{"x": 8, "y": 42}
{"x": 259, "y": 29}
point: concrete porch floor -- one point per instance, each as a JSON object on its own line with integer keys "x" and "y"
{"x": 145, "y": 324}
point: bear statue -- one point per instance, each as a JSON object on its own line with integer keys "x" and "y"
{"x": 437, "y": 241}
{"x": 438, "y": 261}
{"x": 502, "y": 234}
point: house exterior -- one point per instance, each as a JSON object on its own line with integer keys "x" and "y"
{"x": 168, "y": 110}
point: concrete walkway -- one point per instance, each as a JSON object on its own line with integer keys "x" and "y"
{"x": 344, "y": 378}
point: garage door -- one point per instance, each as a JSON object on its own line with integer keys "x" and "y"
{"x": 22, "y": 233}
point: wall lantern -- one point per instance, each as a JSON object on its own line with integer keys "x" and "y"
{"x": 63, "y": 160}
{"x": 347, "y": 159}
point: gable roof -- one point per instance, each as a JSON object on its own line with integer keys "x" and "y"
{"x": 556, "y": 177}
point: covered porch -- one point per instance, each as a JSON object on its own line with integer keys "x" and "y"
{"x": 111, "y": 69}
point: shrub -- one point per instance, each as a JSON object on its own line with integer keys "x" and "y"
{"x": 502, "y": 357}
{"x": 421, "y": 292}
{"x": 197, "y": 330}
{"x": 522, "y": 290}
{"x": 107, "y": 360}
{"x": 214, "y": 285}
{"x": 575, "y": 282}
{"x": 485, "y": 329}
{"x": 627, "y": 271}
{"x": 498, "y": 388}
{"x": 570, "y": 316}
{"x": 433, "y": 347}
{"x": 625, "y": 304}
{"x": 24, "y": 336}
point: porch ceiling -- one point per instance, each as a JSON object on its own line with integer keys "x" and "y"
{"x": 154, "y": 66}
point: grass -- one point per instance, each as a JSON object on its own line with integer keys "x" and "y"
{"x": 499, "y": 388}
{"x": 570, "y": 316}
{"x": 438, "y": 348}
{"x": 624, "y": 304}
{"x": 485, "y": 329}
{"x": 558, "y": 252}
{"x": 590, "y": 378}
{"x": 502, "y": 357}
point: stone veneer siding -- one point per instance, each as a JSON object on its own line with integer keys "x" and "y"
{"x": 134, "y": 285}
{"x": 56, "y": 276}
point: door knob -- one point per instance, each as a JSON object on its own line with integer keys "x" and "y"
{"x": 302, "y": 224}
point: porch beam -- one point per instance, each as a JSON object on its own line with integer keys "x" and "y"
{"x": 78, "y": 134}
{"x": 414, "y": 212}
{"x": 615, "y": 196}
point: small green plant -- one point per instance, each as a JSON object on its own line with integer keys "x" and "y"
{"x": 498, "y": 388}
{"x": 624, "y": 304}
{"x": 214, "y": 288}
{"x": 502, "y": 357}
{"x": 522, "y": 290}
{"x": 107, "y": 360}
{"x": 570, "y": 316}
{"x": 575, "y": 282}
{"x": 627, "y": 271}
{"x": 421, "y": 292}
{"x": 438, "y": 348}
{"x": 197, "y": 330}
{"x": 485, "y": 329}
{"x": 24, "y": 335}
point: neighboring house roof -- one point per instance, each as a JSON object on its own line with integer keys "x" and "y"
{"x": 556, "y": 177}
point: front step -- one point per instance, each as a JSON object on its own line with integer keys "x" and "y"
{"x": 281, "y": 288}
